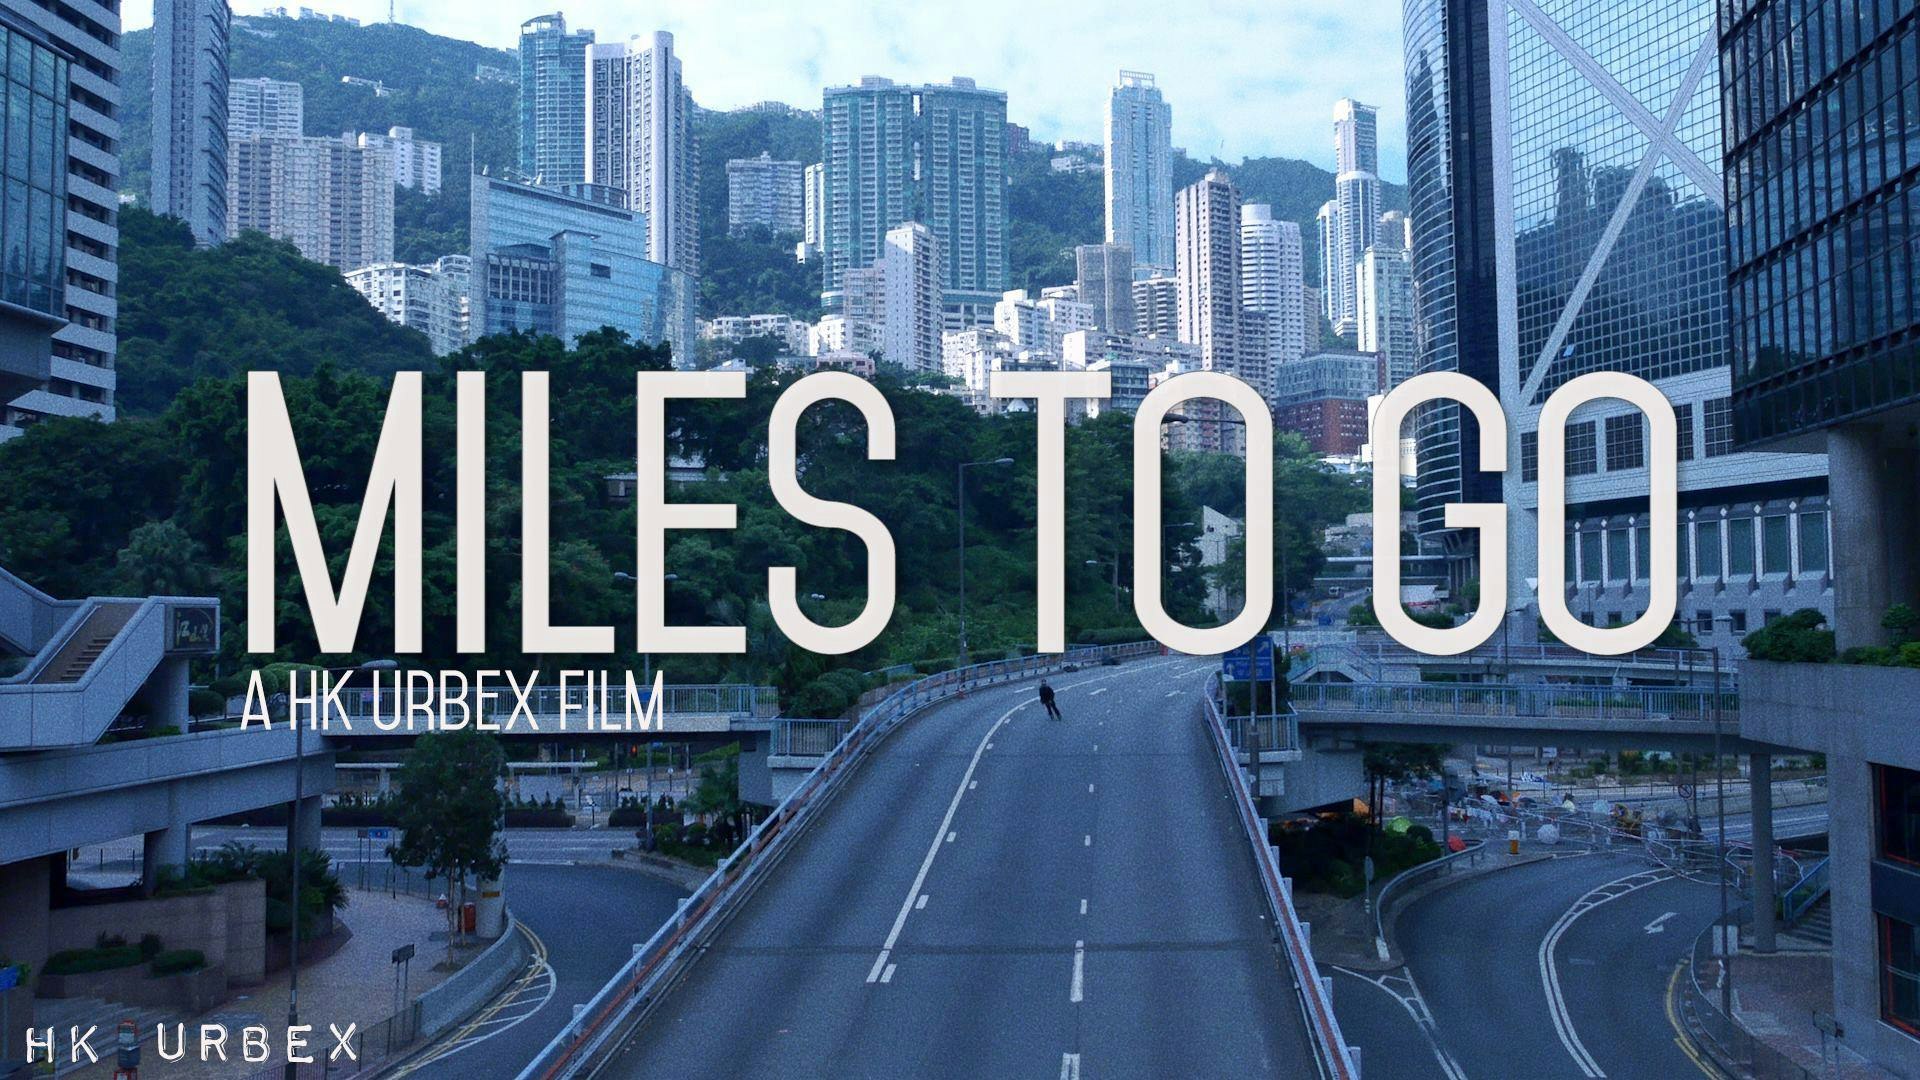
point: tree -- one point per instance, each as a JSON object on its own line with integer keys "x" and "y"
{"x": 160, "y": 559}
{"x": 718, "y": 796}
{"x": 1397, "y": 763}
{"x": 450, "y": 810}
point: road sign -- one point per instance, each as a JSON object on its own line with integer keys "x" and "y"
{"x": 379, "y": 834}
{"x": 403, "y": 954}
{"x": 1254, "y": 660}
{"x": 9, "y": 978}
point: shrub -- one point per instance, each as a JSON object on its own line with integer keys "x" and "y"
{"x": 1904, "y": 621}
{"x": 1796, "y": 638}
{"x": 150, "y": 946}
{"x": 100, "y": 958}
{"x": 205, "y": 702}
{"x": 177, "y": 961}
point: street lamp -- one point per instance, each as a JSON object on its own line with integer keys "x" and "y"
{"x": 960, "y": 487}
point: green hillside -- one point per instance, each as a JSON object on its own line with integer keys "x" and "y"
{"x": 434, "y": 92}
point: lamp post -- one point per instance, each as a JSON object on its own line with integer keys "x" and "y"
{"x": 960, "y": 488}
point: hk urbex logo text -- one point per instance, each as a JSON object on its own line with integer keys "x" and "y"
{"x": 253, "y": 1044}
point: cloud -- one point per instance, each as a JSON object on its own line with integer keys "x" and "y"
{"x": 1245, "y": 77}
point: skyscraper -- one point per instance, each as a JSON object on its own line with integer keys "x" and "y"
{"x": 1608, "y": 254}
{"x": 1385, "y": 318}
{"x": 911, "y": 268}
{"x": 553, "y": 102}
{"x": 332, "y": 198}
{"x": 1207, "y": 245}
{"x": 1105, "y": 282}
{"x": 264, "y": 107}
{"x": 932, "y": 154}
{"x": 59, "y": 250}
{"x": 189, "y": 103}
{"x": 1355, "y": 210}
{"x": 1156, "y": 307}
{"x": 639, "y": 138}
{"x": 814, "y": 205}
{"x": 765, "y": 192}
{"x": 1270, "y": 283}
{"x": 416, "y": 162}
{"x": 1139, "y": 172}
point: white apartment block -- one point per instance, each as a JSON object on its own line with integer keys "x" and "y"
{"x": 795, "y": 336}
{"x": 1134, "y": 363}
{"x": 1156, "y": 306}
{"x": 420, "y": 298}
{"x": 1036, "y": 326}
{"x": 264, "y": 107}
{"x": 972, "y": 356}
{"x": 841, "y": 334}
{"x": 331, "y": 198}
{"x": 1384, "y": 288}
{"x": 1271, "y": 264}
{"x": 416, "y": 162}
{"x": 910, "y": 267}
{"x": 639, "y": 138}
{"x": 765, "y": 192}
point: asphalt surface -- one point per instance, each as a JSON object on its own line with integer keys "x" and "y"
{"x": 1030, "y": 899}
{"x": 585, "y": 921}
{"x": 1488, "y": 957}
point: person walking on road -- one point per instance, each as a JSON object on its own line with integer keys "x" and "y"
{"x": 1046, "y": 700}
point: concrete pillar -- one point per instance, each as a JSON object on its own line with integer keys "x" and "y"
{"x": 1760, "y": 780}
{"x": 1876, "y": 509}
{"x": 165, "y": 695}
{"x": 171, "y": 846}
{"x": 303, "y": 823}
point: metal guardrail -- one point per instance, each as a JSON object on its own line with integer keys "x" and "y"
{"x": 1316, "y": 998}
{"x": 1534, "y": 700}
{"x": 1731, "y": 1047}
{"x": 1403, "y": 879}
{"x": 807, "y": 738}
{"x": 387, "y": 705}
{"x": 1803, "y": 894}
{"x": 675, "y": 945}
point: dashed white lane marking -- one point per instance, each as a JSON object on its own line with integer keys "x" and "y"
{"x": 1083, "y": 905}
{"x": 1089, "y": 789}
{"x": 950, "y": 836}
{"x": 1096, "y": 693}
{"x": 1069, "y": 1067}
{"x": 920, "y": 903}
{"x": 887, "y": 975}
{"x": 1079, "y": 972}
{"x": 1174, "y": 693}
{"x": 1089, "y": 841}
{"x": 989, "y": 746}
{"x": 971, "y": 784}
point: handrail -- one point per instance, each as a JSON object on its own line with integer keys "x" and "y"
{"x": 1803, "y": 894}
{"x": 655, "y": 963}
{"x": 1336, "y": 1058}
{"x": 1404, "y": 876}
{"x": 1545, "y": 700}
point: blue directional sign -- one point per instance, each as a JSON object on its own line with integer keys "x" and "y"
{"x": 1252, "y": 661}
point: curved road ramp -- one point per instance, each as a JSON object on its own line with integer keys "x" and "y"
{"x": 987, "y": 892}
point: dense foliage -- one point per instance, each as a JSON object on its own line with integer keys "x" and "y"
{"x": 251, "y": 304}
{"x": 1048, "y": 213}
{"x": 755, "y": 273}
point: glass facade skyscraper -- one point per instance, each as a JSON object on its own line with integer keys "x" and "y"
{"x": 1139, "y": 173}
{"x": 1587, "y": 233}
{"x": 189, "y": 101}
{"x": 553, "y": 100}
{"x": 568, "y": 261}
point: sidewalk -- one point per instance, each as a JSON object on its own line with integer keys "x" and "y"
{"x": 1775, "y": 998}
{"x": 354, "y": 985}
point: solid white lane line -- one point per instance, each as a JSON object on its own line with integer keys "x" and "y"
{"x": 1069, "y": 1067}
{"x": 1550, "y": 971}
{"x": 1079, "y": 972}
{"x": 920, "y": 903}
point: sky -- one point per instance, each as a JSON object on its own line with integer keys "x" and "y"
{"x": 1244, "y": 77}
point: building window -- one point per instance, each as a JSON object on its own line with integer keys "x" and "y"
{"x": 1719, "y": 416}
{"x": 1583, "y": 450}
{"x": 1703, "y": 622}
{"x": 1683, "y": 429}
{"x": 1626, "y": 443}
{"x": 1737, "y": 620}
{"x": 1776, "y": 555}
{"x": 1740, "y": 547}
{"x": 1590, "y": 556}
{"x": 1617, "y": 555}
{"x": 1642, "y": 556}
{"x": 1899, "y": 791}
{"x": 1706, "y": 550}
{"x": 1813, "y": 542}
{"x": 1900, "y": 974}
{"x": 1529, "y": 457}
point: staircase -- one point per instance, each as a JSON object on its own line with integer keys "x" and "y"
{"x": 75, "y": 657}
{"x": 76, "y": 664}
{"x": 1813, "y": 931}
{"x": 64, "y": 1014}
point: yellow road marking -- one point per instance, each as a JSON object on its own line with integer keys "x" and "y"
{"x": 446, "y": 1043}
{"x": 1680, "y": 1036}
